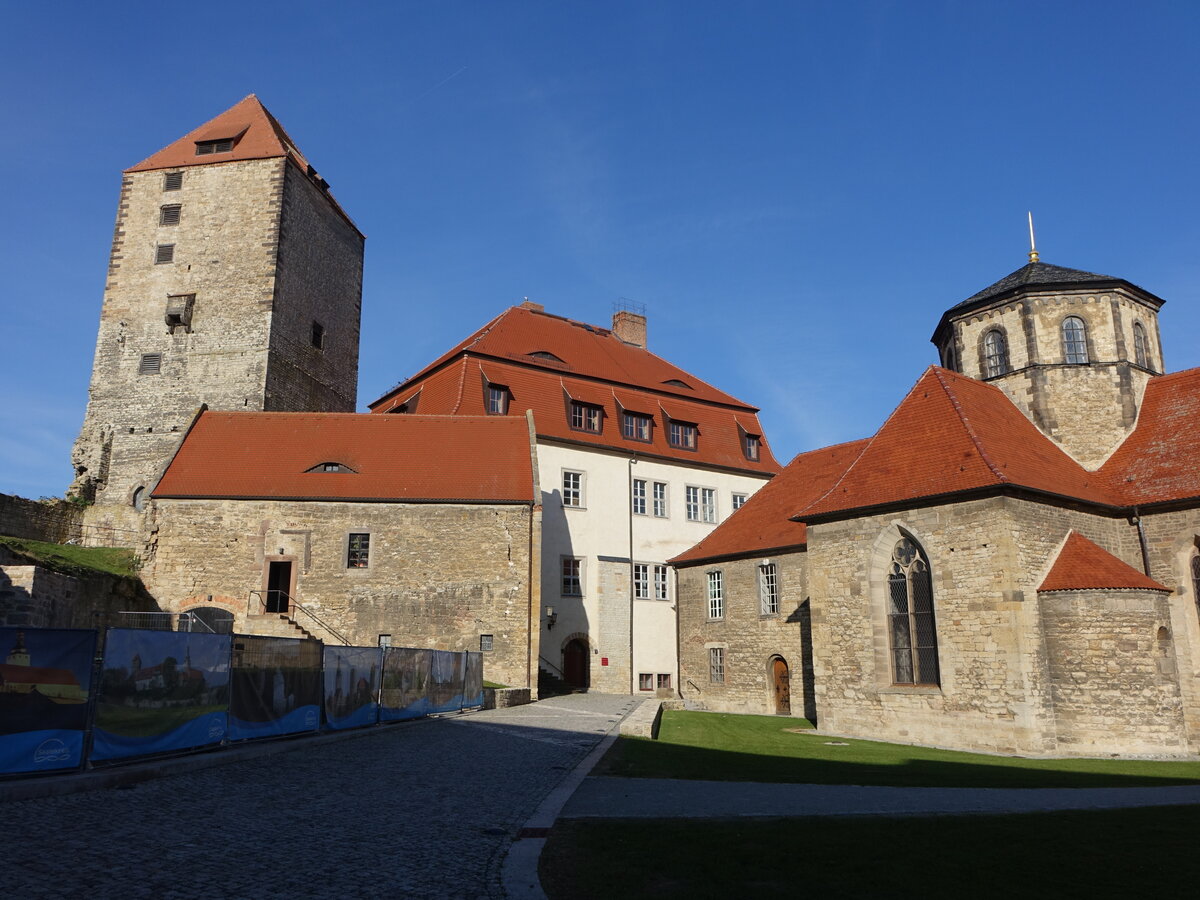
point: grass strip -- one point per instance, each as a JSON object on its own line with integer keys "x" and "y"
{"x": 70, "y": 559}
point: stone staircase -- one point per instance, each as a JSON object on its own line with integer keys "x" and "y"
{"x": 550, "y": 685}
{"x": 277, "y": 625}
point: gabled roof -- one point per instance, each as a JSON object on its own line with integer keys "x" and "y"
{"x": 764, "y": 525}
{"x": 1083, "y": 565}
{"x": 949, "y": 435}
{"x": 1160, "y": 460}
{"x": 244, "y": 455}
{"x": 597, "y": 369}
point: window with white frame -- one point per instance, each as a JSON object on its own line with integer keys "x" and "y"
{"x": 739, "y": 500}
{"x": 701, "y": 504}
{"x": 768, "y": 589}
{"x": 572, "y": 576}
{"x": 572, "y": 489}
{"x": 682, "y": 435}
{"x": 641, "y": 581}
{"x": 660, "y": 499}
{"x": 716, "y": 665}
{"x": 637, "y": 501}
{"x": 635, "y": 426}
{"x": 716, "y": 595}
{"x": 586, "y": 417}
{"x": 661, "y": 590}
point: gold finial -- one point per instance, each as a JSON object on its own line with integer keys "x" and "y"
{"x": 1033, "y": 254}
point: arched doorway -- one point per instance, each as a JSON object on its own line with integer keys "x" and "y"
{"x": 575, "y": 663}
{"x": 781, "y": 682}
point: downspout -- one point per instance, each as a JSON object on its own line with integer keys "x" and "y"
{"x": 1141, "y": 530}
{"x": 629, "y": 504}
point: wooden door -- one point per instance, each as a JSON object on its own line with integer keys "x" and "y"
{"x": 575, "y": 663}
{"x": 783, "y": 690}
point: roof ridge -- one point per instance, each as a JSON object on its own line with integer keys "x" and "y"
{"x": 962, "y": 417}
{"x": 825, "y": 447}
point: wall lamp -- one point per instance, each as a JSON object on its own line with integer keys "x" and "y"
{"x": 551, "y": 617}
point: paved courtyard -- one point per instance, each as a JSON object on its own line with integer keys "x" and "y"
{"x": 421, "y": 809}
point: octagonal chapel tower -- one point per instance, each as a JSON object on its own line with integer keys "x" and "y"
{"x": 235, "y": 281}
{"x": 1072, "y": 349}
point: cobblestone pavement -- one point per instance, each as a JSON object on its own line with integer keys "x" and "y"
{"x": 420, "y": 809}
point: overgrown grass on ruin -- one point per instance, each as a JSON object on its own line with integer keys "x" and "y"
{"x": 73, "y": 560}
{"x": 1110, "y": 853}
{"x": 726, "y": 747}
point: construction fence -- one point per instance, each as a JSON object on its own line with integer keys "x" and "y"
{"x": 154, "y": 692}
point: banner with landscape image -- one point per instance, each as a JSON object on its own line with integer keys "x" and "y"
{"x": 406, "y": 683}
{"x": 45, "y": 680}
{"x": 274, "y": 687}
{"x": 473, "y": 680}
{"x": 446, "y": 676}
{"x": 161, "y": 691}
{"x": 352, "y": 676}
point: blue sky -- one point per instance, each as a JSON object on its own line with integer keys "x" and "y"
{"x": 796, "y": 191}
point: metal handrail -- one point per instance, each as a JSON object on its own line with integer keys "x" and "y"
{"x": 696, "y": 686}
{"x": 551, "y": 665}
{"x": 293, "y": 603}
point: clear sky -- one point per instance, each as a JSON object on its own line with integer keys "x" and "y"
{"x": 796, "y": 191}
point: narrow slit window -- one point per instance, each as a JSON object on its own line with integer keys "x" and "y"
{"x": 1141, "y": 352}
{"x": 318, "y": 335}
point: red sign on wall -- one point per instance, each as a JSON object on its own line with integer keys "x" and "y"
{"x": 604, "y": 660}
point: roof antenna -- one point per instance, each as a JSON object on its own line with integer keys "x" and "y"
{"x": 1033, "y": 254}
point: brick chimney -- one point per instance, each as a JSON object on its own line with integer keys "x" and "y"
{"x": 529, "y": 304}
{"x": 630, "y": 327}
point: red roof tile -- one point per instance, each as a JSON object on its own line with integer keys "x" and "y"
{"x": 1082, "y": 565}
{"x": 1160, "y": 461}
{"x": 599, "y": 372}
{"x": 397, "y": 458}
{"x": 764, "y": 523}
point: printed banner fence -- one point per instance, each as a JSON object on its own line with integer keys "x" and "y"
{"x": 274, "y": 687}
{"x": 405, "y": 693}
{"x": 351, "y": 686}
{"x": 161, "y": 691}
{"x": 473, "y": 680}
{"x": 446, "y": 675}
{"x": 45, "y": 684}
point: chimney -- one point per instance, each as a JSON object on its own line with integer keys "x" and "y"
{"x": 529, "y": 304}
{"x": 630, "y": 327}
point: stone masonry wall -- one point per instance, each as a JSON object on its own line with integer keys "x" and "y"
{"x": 612, "y": 631}
{"x": 439, "y": 575}
{"x": 750, "y": 638}
{"x": 39, "y": 520}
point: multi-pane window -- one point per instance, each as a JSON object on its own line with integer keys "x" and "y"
{"x": 169, "y": 215}
{"x": 572, "y": 490}
{"x": 641, "y": 581}
{"x": 911, "y": 626}
{"x": 660, "y": 583}
{"x": 995, "y": 354}
{"x": 751, "y": 443}
{"x": 173, "y": 181}
{"x": 317, "y": 335}
{"x": 645, "y": 681}
{"x": 1141, "y": 353}
{"x": 716, "y": 665}
{"x": 638, "y": 499}
{"x": 585, "y": 417}
{"x": 739, "y": 500}
{"x": 636, "y": 427}
{"x": 164, "y": 253}
{"x": 716, "y": 596}
{"x": 768, "y": 590}
{"x": 1074, "y": 336}
{"x": 701, "y": 504}
{"x": 485, "y": 642}
{"x": 497, "y": 400}
{"x": 682, "y": 435}
{"x": 572, "y": 577}
{"x": 358, "y": 551}
{"x": 660, "y": 499}
{"x": 204, "y": 148}
{"x": 663, "y": 681}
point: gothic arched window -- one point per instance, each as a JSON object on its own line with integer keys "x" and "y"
{"x": 1140, "y": 354}
{"x": 912, "y": 631}
{"x": 995, "y": 354}
{"x": 1074, "y": 336}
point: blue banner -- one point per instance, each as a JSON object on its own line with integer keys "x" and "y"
{"x": 446, "y": 674}
{"x": 405, "y": 692}
{"x": 45, "y": 681}
{"x": 473, "y": 680}
{"x": 161, "y": 691}
{"x": 275, "y": 687}
{"x": 352, "y": 677}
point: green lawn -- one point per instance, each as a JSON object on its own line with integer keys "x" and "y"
{"x": 1111, "y": 853}
{"x": 131, "y": 722}
{"x": 724, "y": 747}
{"x": 72, "y": 560}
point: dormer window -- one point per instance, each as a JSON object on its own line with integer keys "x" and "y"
{"x": 545, "y": 355}
{"x": 331, "y": 467}
{"x": 682, "y": 435}
{"x": 204, "y": 148}
{"x": 586, "y": 417}
{"x": 675, "y": 382}
{"x": 635, "y": 426}
{"x": 497, "y": 400}
{"x": 751, "y": 445}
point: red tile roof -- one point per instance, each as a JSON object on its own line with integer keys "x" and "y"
{"x": 598, "y": 369}
{"x": 258, "y": 136}
{"x": 392, "y": 458}
{"x": 764, "y": 523}
{"x": 1160, "y": 461}
{"x": 1082, "y": 565}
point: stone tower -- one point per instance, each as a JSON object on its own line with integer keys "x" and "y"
{"x": 1073, "y": 350}
{"x": 235, "y": 281}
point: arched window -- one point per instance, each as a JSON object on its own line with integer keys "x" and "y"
{"x": 1074, "y": 335}
{"x": 911, "y": 627}
{"x": 1140, "y": 354}
{"x": 139, "y": 499}
{"x": 995, "y": 354}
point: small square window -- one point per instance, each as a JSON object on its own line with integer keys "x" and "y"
{"x": 585, "y": 417}
{"x": 150, "y": 364}
{"x": 385, "y": 641}
{"x": 645, "y": 681}
{"x": 172, "y": 181}
{"x": 664, "y": 682}
{"x": 358, "y": 551}
{"x": 318, "y": 335}
{"x": 169, "y": 215}
{"x": 739, "y": 500}
{"x": 485, "y": 642}
{"x": 164, "y": 253}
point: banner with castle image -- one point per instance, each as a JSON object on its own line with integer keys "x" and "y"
{"x": 473, "y": 680}
{"x": 447, "y": 673}
{"x": 161, "y": 691}
{"x": 406, "y": 684}
{"x": 352, "y": 676}
{"x": 274, "y": 687}
{"x": 45, "y": 678}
